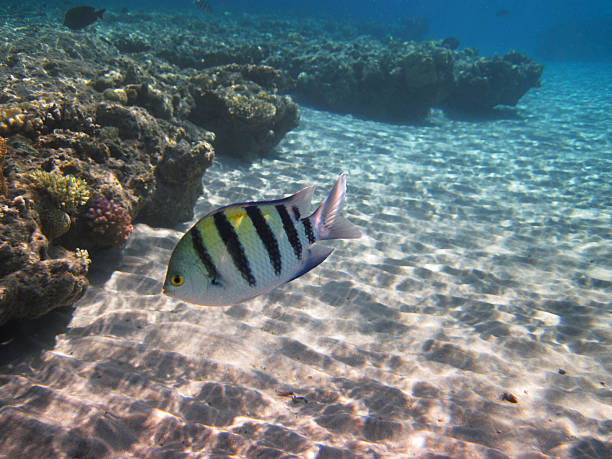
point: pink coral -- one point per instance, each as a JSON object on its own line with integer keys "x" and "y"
{"x": 111, "y": 221}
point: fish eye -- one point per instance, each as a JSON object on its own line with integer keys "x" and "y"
{"x": 215, "y": 282}
{"x": 177, "y": 280}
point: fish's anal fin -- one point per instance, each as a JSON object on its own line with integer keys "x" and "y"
{"x": 316, "y": 255}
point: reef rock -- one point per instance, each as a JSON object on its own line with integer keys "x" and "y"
{"x": 241, "y": 105}
{"x": 399, "y": 82}
{"x": 479, "y": 84}
{"x": 402, "y": 81}
{"x": 34, "y": 277}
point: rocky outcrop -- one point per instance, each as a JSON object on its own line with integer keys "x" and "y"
{"x": 480, "y": 84}
{"x": 95, "y": 142}
{"x": 35, "y": 278}
{"x": 403, "y": 81}
{"x": 242, "y": 106}
{"x": 374, "y": 76}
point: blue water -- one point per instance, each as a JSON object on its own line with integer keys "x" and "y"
{"x": 474, "y": 22}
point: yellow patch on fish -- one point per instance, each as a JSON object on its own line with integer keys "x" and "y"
{"x": 235, "y": 216}
{"x": 273, "y": 220}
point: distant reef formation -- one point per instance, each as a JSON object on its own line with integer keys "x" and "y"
{"x": 402, "y": 81}
{"x": 383, "y": 78}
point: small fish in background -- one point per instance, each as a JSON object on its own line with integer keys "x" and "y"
{"x": 240, "y": 251}
{"x": 203, "y": 5}
{"x": 501, "y": 13}
{"x": 80, "y": 17}
{"x": 451, "y": 43}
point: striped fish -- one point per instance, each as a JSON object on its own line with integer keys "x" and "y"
{"x": 240, "y": 251}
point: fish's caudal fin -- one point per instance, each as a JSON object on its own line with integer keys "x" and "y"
{"x": 328, "y": 224}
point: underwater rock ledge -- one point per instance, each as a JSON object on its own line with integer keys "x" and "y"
{"x": 403, "y": 81}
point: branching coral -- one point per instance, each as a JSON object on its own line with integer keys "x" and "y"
{"x": 83, "y": 256}
{"x": 109, "y": 220}
{"x": 66, "y": 191}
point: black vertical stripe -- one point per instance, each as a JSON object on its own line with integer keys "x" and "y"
{"x": 200, "y": 248}
{"x": 234, "y": 247}
{"x": 296, "y": 213}
{"x": 308, "y": 230}
{"x": 266, "y": 235}
{"x": 290, "y": 230}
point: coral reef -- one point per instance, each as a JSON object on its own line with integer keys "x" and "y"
{"x": 34, "y": 277}
{"x": 402, "y": 81}
{"x": 109, "y": 221}
{"x": 350, "y": 68}
{"x": 67, "y": 192}
{"x": 482, "y": 83}
{"x": 81, "y": 117}
{"x": 240, "y": 105}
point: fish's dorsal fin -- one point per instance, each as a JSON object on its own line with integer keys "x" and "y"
{"x": 301, "y": 200}
{"x": 316, "y": 255}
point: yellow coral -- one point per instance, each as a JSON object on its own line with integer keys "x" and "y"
{"x": 20, "y": 118}
{"x": 67, "y": 192}
{"x": 83, "y": 256}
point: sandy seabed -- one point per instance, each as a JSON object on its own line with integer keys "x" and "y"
{"x": 473, "y": 320}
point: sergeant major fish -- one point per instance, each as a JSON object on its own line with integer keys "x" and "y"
{"x": 242, "y": 250}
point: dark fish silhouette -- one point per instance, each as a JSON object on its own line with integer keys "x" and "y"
{"x": 80, "y": 17}
{"x": 203, "y": 5}
{"x": 450, "y": 43}
{"x": 502, "y": 13}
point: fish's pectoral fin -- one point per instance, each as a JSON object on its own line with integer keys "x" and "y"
{"x": 316, "y": 255}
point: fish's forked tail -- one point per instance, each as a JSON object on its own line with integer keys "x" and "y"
{"x": 328, "y": 224}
